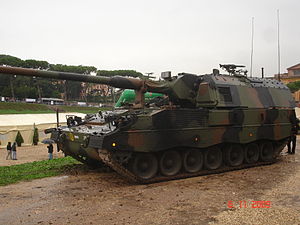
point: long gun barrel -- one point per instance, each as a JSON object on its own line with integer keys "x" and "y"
{"x": 116, "y": 81}
{"x": 176, "y": 89}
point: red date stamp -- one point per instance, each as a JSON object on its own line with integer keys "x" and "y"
{"x": 249, "y": 204}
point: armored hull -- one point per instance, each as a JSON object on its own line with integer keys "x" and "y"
{"x": 196, "y": 140}
{"x": 210, "y": 123}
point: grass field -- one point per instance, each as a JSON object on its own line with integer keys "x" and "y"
{"x": 35, "y": 170}
{"x": 28, "y": 108}
{"x": 18, "y": 108}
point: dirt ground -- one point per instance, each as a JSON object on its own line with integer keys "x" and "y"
{"x": 28, "y": 154}
{"x": 92, "y": 197}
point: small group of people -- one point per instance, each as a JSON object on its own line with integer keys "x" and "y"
{"x": 11, "y": 151}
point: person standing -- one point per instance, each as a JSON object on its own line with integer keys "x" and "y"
{"x": 8, "y": 148}
{"x": 14, "y": 151}
{"x": 293, "y": 138}
{"x": 291, "y": 144}
{"x": 50, "y": 151}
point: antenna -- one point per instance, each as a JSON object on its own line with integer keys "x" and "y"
{"x": 278, "y": 44}
{"x": 251, "y": 57}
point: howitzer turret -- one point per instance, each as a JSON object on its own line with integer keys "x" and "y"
{"x": 209, "y": 123}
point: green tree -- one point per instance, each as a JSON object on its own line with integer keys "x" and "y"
{"x": 27, "y": 87}
{"x": 6, "y": 80}
{"x": 19, "y": 139}
{"x": 35, "y": 138}
{"x": 294, "y": 86}
{"x": 35, "y": 64}
{"x": 8, "y": 60}
{"x": 21, "y": 87}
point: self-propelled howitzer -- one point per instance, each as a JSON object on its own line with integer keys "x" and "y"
{"x": 205, "y": 124}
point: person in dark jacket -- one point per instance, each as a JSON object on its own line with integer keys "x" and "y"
{"x": 8, "y": 148}
{"x": 50, "y": 151}
{"x": 293, "y": 138}
{"x": 14, "y": 151}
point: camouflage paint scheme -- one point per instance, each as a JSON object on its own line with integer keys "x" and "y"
{"x": 256, "y": 109}
{"x": 203, "y": 111}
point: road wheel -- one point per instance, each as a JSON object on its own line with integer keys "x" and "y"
{"x": 145, "y": 165}
{"x": 234, "y": 155}
{"x": 266, "y": 151}
{"x": 170, "y": 163}
{"x": 251, "y": 153}
{"x": 213, "y": 158}
{"x": 192, "y": 160}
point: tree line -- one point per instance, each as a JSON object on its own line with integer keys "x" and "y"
{"x": 21, "y": 87}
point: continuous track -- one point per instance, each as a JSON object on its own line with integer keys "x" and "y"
{"x": 107, "y": 159}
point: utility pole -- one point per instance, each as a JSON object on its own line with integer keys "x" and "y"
{"x": 278, "y": 45}
{"x": 251, "y": 58}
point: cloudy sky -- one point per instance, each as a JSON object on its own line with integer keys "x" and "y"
{"x": 152, "y": 36}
